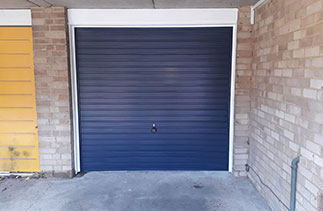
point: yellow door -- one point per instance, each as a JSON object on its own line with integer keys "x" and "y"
{"x": 18, "y": 117}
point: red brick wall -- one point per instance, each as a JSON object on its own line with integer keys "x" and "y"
{"x": 287, "y": 100}
{"x": 52, "y": 88}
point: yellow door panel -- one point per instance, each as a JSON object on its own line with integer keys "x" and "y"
{"x": 16, "y": 74}
{"x": 15, "y": 47}
{"x": 16, "y": 113}
{"x": 18, "y": 117}
{"x": 17, "y": 139}
{"x": 17, "y": 101}
{"x": 16, "y": 60}
{"x": 18, "y": 152}
{"x": 14, "y": 33}
{"x": 21, "y": 165}
{"x": 12, "y": 87}
{"x": 18, "y": 126}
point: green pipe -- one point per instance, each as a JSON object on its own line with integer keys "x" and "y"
{"x": 293, "y": 183}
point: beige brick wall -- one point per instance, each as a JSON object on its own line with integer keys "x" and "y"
{"x": 242, "y": 92}
{"x": 52, "y": 89}
{"x": 53, "y": 98}
{"x": 287, "y": 100}
{"x": 283, "y": 88}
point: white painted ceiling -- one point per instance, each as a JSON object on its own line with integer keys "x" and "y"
{"x": 126, "y": 4}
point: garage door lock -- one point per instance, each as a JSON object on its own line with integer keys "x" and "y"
{"x": 154, "y": 128}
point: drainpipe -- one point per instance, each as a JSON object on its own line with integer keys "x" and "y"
{"x": 293, "y": 184}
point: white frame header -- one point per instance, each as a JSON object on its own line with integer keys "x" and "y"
{"x": 15, "y": 17}
{"x": 152, "y": 17}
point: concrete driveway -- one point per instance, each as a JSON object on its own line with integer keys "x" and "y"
{"x": 133, "y": 191}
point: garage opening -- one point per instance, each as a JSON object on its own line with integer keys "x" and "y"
{"x": 154, "y": 98}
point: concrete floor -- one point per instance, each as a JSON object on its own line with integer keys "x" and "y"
{"x": 133, "y": 191}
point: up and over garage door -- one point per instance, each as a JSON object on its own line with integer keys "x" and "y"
{"x": 154, "y": 98}
{"x": 18, "y": 117}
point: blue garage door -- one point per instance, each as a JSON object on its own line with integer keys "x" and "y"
{"x": 154, "y": 98}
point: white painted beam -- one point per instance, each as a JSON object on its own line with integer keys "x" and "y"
{"x": 15, "y": 17}
{"x": 151, "y": 17}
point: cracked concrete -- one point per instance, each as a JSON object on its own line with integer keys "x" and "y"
{"x": 133, "y": 191}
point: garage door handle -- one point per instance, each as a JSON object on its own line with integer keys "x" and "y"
{"x": 154, "y": 128}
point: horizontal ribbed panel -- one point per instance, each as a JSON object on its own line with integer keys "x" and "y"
{"x": 176, "y": 78}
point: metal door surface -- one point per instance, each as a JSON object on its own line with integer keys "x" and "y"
{"x": 154, "y": 98}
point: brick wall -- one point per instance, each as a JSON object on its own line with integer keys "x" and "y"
{"x": 287, "y": 100}
{"x": 320, "y": 201}
{"x": 242, "y": 92}
{"x": 52, "y": 89}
